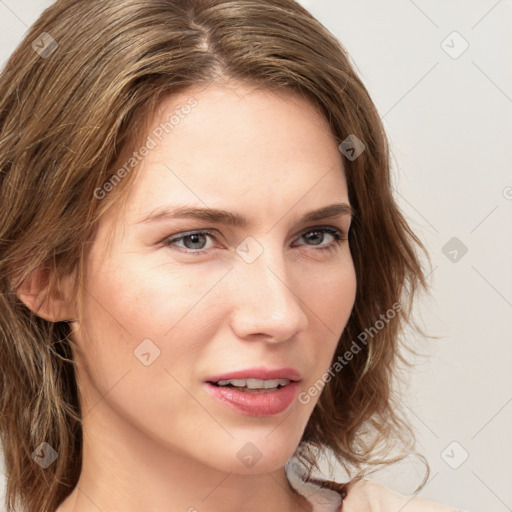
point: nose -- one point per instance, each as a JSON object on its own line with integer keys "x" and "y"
{"x": 266, "y": 305}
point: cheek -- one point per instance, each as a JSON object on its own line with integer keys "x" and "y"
{"x": 329, "y": 295}
{"x": 128, "y": 303}
{"x": 151, "y": 297}
{"x": 330, "y": 302}
{"x": 129, "y": 312}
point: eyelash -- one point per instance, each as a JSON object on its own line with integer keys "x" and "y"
{"x": 339, "y": 238}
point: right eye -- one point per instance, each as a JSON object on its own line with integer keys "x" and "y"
{"x": 191, "y": 238}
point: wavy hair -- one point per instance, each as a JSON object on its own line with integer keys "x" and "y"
{"x": 78, "y": 93}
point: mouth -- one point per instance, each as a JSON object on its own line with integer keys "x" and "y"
{"x": 259, "y": 377}
{"x": 252, "y": 385}
{"x": 253, "y": 397}
{"x": 260, "y": 391}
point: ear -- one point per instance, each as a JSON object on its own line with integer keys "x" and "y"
{"x": 57, "y": 304}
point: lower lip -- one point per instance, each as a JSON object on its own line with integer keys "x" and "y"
{"x": 256, "y": 404}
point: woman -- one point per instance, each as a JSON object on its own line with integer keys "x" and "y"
{"x": 204, "y": 272}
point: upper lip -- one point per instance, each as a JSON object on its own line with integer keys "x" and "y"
{"x": 261, "y": 373}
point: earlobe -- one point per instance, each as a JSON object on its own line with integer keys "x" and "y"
{"x": 54, "y": 305}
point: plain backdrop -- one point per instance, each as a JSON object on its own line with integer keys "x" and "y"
{"x": 440, "y": 75}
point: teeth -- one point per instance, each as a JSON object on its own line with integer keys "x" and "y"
{"x": 254, "y": 383}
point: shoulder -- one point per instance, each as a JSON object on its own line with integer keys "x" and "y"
{"x": 370, "y": 495}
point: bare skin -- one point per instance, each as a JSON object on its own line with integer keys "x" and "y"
{"x": 154, "y": 439}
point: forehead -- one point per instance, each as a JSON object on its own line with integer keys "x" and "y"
{"x": 237, "y": 146}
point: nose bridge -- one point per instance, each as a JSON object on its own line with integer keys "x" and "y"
{"x": 265, "y": 302}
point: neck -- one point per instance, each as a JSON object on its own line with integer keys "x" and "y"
{"x": 125, "y": 470}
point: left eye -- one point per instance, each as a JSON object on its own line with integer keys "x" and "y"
{"x": 196, "y": 239}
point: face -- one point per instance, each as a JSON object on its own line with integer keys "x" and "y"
{"x": 174, "y": 301}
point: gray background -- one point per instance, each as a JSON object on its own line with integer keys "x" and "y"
{"x": 448, "y": 115}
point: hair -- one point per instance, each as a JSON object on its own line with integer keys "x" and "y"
{"x": 67, "y": 118}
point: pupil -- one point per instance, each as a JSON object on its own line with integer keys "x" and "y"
{"x": 194, "y": 239}
{"x": 313, "y": 234}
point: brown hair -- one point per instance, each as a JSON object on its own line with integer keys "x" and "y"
{"x": 66, "y": 117}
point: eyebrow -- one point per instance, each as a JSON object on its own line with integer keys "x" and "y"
{"x": 236, "y": 219}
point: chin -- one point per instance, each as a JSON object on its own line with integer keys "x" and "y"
{"x": 254, "y": 454}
